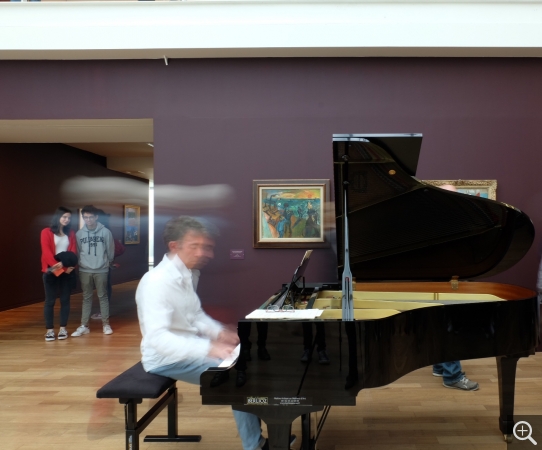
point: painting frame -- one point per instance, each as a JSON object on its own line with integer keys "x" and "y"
{"x": 480, "y": 188}
{"x": 303, "y": 226}
{"x": 132, "y": 224}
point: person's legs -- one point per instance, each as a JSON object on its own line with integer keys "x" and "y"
{"x": 109, "y": 286}
{"x": 248, "y": 425}
{"x": 437, "y": 369}
{"x": 100, "y": 280}
{"x": 263, "y": 354}
{"x": 307, "y": 335}
{"x": 262, "y": 328}
{"x": 451, "y": 372}
{"x": 249, "y": 428}
{"x": 243, "y": 331}
{"x": 307, "y": 341}
{"x": 65, "y": 291}
{"x": 50, "y": 285}
{"x": 321, "y": 344}
{"x": 87, "y": 285}
{"x": 320, "y": 337}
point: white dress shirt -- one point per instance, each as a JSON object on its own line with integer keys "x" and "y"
{"x": 173, "y": 324}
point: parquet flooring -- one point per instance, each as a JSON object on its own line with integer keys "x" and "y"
{"x": 48, "y": 396}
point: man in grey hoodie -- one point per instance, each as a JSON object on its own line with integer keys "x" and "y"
{"x": 96, "y": 250}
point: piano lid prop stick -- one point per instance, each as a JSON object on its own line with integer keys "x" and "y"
{"x": 347, "y": 297}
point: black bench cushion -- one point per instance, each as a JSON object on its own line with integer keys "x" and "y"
{"x": 135, "y": 383}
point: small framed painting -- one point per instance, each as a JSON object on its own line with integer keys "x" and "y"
{"x": 131, "y": 224}
{"x": 478, "y": 188}
{"x": 290, "y": 213}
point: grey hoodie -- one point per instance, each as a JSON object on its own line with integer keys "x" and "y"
{"x": 96, "y": 249}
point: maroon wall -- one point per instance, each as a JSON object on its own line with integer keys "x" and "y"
{"x": 234, "y": 120}
{"x": 31, "y": 177}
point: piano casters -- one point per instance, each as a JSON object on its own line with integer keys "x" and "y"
{"x": 506, "y": 368}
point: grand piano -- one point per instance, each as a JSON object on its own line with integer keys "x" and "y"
{"x": 414, "y": 251}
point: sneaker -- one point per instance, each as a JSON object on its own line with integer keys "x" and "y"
{"x": 50, "y": 335}
{"x": 80, "y": 331}
{"x": 96, "y": 316}
{"x": 323, "y": 358}
{"x": 62, "y": 334}
{"x": 107, "y": 329}
{"x": 464, "y": 384}
{"x": 306, "y": 356}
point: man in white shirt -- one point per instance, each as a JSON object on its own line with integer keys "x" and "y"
{"x": 179, "y": 340}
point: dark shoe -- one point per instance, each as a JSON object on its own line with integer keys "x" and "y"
{"x": 263, "y": 354}
{"x": 246, "y": 354}
{"x": 322, "y": 357}
{"x": 241, "y": 378}
{"x": 306, "y": 357}
{"x": 220, "y": 377}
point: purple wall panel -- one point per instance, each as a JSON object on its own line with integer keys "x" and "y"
{"x": 234, "y": 120}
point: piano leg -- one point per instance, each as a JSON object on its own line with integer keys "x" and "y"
{"x": 306, "y": 432}
{"x": 506, "y": 368}
{"x": 279, "y": 421}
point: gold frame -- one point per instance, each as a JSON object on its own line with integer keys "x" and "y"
{"x": 258, "y": 192}
{"x": 130, "y": 240}
{"x": 469, "y": 185}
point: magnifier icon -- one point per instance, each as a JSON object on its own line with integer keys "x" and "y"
{"x": 524, "y": 432}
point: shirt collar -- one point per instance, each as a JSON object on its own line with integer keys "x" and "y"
{"x": 179, "y": 265}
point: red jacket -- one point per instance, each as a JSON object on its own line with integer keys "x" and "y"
{"x": 48, "y": 248}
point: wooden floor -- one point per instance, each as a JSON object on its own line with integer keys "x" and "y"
{"x": 48, "y": 396}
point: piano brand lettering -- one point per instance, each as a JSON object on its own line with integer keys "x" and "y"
{"x": 257, "y": 401}
{"x": 291, "y": 401}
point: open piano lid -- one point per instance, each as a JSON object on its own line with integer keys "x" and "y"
{"x": 402, "y": 229}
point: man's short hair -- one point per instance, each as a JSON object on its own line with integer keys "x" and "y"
{"x": 90, "y": 209}
{"x": 177, "y": 228}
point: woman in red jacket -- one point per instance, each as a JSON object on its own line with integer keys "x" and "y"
{"x": 57, "y": 278}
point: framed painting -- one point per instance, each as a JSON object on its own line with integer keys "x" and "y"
{"x": 131, "y": 224}
{"x": 479, "y": 188}
{"x": 290, "y": 213}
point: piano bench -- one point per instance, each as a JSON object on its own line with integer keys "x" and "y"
{"x": 131, "y": 387}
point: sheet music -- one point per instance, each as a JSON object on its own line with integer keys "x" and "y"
{"x": 297, "y": 314}
{"x": 232, "y": 359}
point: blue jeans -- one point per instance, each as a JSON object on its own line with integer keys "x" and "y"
{"x": 56, "y": 286}
{"x": 248, "y": 425}
{"x": 451, "y": 371}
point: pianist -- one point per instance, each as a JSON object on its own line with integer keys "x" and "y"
{"x": 179, "y": 340}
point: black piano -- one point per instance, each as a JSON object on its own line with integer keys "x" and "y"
{"x": 414, "y": 250}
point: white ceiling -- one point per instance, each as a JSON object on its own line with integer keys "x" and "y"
{"x": 269, "y": 28}
{"x": 124, "y": 142}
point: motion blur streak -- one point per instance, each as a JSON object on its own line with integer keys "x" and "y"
{"x": 105, "y": 191}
